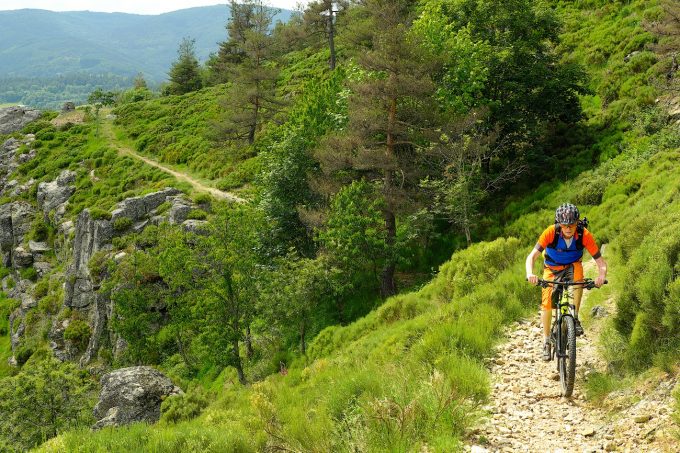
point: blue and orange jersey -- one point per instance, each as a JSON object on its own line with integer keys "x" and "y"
{"x": 563, "y": 254}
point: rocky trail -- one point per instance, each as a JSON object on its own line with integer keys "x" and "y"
{"x": 528, "y": 414}
{"x": 107, "y": 129}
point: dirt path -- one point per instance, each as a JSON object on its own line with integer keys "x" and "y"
{"x": 527, "y": 413}
{"x": 107, "y": 129}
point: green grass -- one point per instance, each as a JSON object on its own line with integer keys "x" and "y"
{"x": 179, "y": 131}
{"x": 103, "y": 177}
{"x": 408, "y": 374}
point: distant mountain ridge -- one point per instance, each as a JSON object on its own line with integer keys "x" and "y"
{"x": 40, "y": 43}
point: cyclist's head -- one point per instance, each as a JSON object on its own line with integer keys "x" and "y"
{"x": 566, "y": 213}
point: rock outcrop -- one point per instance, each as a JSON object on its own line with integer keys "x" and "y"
{"x": 10, "y": 161}
{"x": 95, "y": 235}
{"x": 131, "y": 395}
{"x": 52, "y": 195}
{"x": 15, "y": 222}
{"x": 13, "y": 119}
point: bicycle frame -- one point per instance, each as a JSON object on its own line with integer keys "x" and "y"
{"x": 562, "y": 335}
{"x": 562, "y": 308}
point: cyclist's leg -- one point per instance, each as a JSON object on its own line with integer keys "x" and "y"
{"x": 578, "y": 290}
{"x": 546, "y": 303}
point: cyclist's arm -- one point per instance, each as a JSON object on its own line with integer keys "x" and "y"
{"x": 529, "y": 265}
{"x": 602, "y": 271}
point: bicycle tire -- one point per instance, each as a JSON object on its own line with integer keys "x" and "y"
{"x": 567, "y": 363}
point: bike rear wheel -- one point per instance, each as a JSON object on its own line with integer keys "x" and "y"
{"x": 566, "y": 360}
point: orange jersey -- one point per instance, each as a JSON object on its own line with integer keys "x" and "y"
{"x": 563, "y": 253}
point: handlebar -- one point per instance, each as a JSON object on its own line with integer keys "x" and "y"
{"x": 587, "y": 283}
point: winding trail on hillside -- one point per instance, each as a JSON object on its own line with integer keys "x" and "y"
{"x": 527, "y": 414}
{"x": 107, "y": 129}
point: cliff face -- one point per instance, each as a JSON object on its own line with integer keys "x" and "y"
{"x": 39, "y": 262}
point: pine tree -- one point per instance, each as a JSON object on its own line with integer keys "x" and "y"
{"x": 252, "y": 98}
{"x": 320, "y": 18}
{"x": 140, "y": 82}
{"x": 185, "y": 74}
{"x": 388, "y": 110}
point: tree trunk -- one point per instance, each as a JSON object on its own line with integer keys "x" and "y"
{"x": 182, "y": 352}
{"x": 387, "y": 286}
{"x": 253, "y": 125}
{"x": 331, "y": 36}
{"x": 249, "y": 343}
{"x": 237, "y": 362}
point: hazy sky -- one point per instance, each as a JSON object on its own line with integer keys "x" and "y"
{"x": 126, "y": 6}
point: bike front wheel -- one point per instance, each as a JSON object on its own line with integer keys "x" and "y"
{"x": 566, "y": 361}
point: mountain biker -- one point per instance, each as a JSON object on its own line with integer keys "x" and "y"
{"x": 562, "y": 246}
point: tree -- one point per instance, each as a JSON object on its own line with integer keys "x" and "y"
{"x": 140, "y": 82}
{"x": 320, "y": 18}
{"x": 289, "y": 164}
{"x": 457, "y": 182}
{"x": 47, "y": 397}
{"x": 102, "y": 98}
{"x": 388, "y": 110}
{"x": 185, "y": 74}
{"x": 354, "y": 237}
{"x": 297, "y": 289}
{"x": 500, "y": 55}
{"x": 215, "y": 276}
{"x": 252, "y": 98}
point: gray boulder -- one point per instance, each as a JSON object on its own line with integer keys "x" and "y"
{"x": 13, "y": 119}
{"x": 195, "y": 226}
{"x": 11, "y": 144}
{"x": 53, "y": 194}
{"x": 131, "y": 395}
{"x": 179, "y": 212}
{"x": 38, "y": 247}
{"x": 138, "y": 208}
{"x": 21, "y": 258}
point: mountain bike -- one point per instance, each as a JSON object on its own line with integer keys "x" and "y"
{"x": 563, "y": 331}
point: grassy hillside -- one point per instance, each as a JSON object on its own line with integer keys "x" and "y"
{"x": 179, "y": 130}
{"x": 410, "y": 375}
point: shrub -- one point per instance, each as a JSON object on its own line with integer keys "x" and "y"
{"x": 29, "y": 273}
{"x": 121, "y": 224}
{"x": 7, "y": 306}
{"x": 78, "y": 332}
{"x": 49, "y": 304}
{"x": 163, "y": 207}
{"x": 23, "y": 354}
{"x": 41, "y": 288}
{"x": 99, "y": 214}
{"x": 197, "y": 214}
{"x": 186, "y": 406}
{"x": 202, "y": 198}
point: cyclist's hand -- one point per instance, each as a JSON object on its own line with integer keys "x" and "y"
{"x": 599, "y": 281}
{"x": 533, "y": 279}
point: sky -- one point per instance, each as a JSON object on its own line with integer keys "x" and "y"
{"x": 126, "y": 6}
